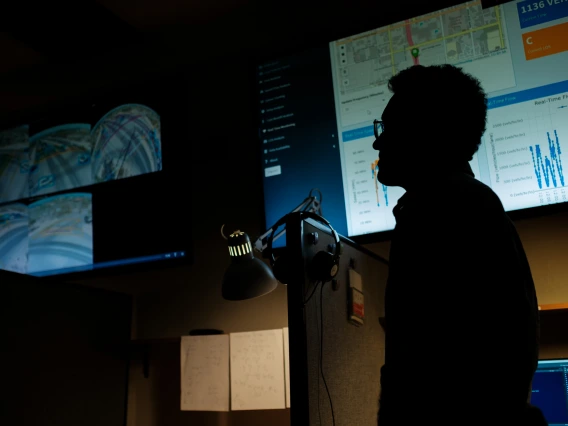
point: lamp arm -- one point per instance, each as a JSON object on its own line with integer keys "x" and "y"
{"x": 310, "y": 204}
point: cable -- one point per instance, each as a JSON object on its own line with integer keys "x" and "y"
{"x": 316, "y": 284}
{"x": 321, "y": 355}
{"x": 316, "y": 189}
{"x": 312, "y": 293}
{"x": 316, "y": 318}
{"x": 320, "y": 199}
{"x": 222, "y": 234}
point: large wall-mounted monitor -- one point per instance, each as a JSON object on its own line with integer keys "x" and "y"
{"x": 316, "y": 110}
{"x": 92, "y": 184}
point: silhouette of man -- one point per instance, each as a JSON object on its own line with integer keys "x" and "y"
{"x": 460, "y": 305}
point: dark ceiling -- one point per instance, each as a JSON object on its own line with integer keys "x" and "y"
{"x": 46, "y": 46}
{"x": 68, "y": 31}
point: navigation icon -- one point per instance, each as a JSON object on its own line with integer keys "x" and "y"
{"x": 415, "y": 52}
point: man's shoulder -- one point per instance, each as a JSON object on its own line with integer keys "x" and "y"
{"x": 473, "y": 194}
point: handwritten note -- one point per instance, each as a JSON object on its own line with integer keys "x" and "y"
{"x": 257, "y": 370}
{"x": 205, "y": 373}
{"x": 286, "y": 366}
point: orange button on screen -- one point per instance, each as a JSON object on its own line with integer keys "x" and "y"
{"x": 547, "y": 41}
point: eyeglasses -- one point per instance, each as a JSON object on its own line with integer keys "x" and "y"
{"x": 378, "y": 128}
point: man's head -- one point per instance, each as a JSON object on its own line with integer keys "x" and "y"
{"x": 433, "y": 123}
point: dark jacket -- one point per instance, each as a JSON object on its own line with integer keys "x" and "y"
{"x": 461, "y": 311}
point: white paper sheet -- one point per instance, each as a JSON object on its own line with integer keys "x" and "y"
{"x": 286, "y": 366}
{"x": 257, "y": 370}
{"x": 205, "y": 373}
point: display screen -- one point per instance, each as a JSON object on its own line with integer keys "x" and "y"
{"x": 316, "y": 110}
{"x": 549, "y": 390}
{"x": 87, "y": 186}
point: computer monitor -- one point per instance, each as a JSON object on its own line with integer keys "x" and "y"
{"x": 90, "y": 185}
{"x": 550, "y": 390}
{"x": 316, "y": 109}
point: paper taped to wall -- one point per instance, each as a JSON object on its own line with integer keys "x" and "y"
{"x": 257, "y": 370}
{"x": 205, "y": 373}
{"x": 286, "y": 365}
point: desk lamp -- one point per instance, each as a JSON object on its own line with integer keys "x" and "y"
{"x": 248, "y": 277}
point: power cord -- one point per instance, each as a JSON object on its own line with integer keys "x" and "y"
{"x": 321, "y": 357}
{"x": 320, "y": 199}
{"x": 320, "y": 327}
{"x": 312, "y": 293}
{"x": 316, "y": 318}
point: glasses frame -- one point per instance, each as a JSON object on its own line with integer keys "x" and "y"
{"x": 378, "y": 128}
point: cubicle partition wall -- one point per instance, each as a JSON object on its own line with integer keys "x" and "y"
{"x": 335, "y": 356}
{"x": 239, "y": 378}
{"x": 65, "y": 353}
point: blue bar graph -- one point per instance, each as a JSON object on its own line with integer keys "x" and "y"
{"x": 549, "y": 168}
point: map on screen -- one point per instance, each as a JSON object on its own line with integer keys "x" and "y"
{"x": 518, "y": 51}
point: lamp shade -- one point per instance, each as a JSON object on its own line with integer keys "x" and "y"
{"x": 246, "y": 277}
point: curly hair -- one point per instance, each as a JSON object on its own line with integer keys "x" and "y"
{"x": 455, "y": 103}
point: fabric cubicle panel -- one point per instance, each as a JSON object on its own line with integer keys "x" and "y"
{"x": 352, "y": 355}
